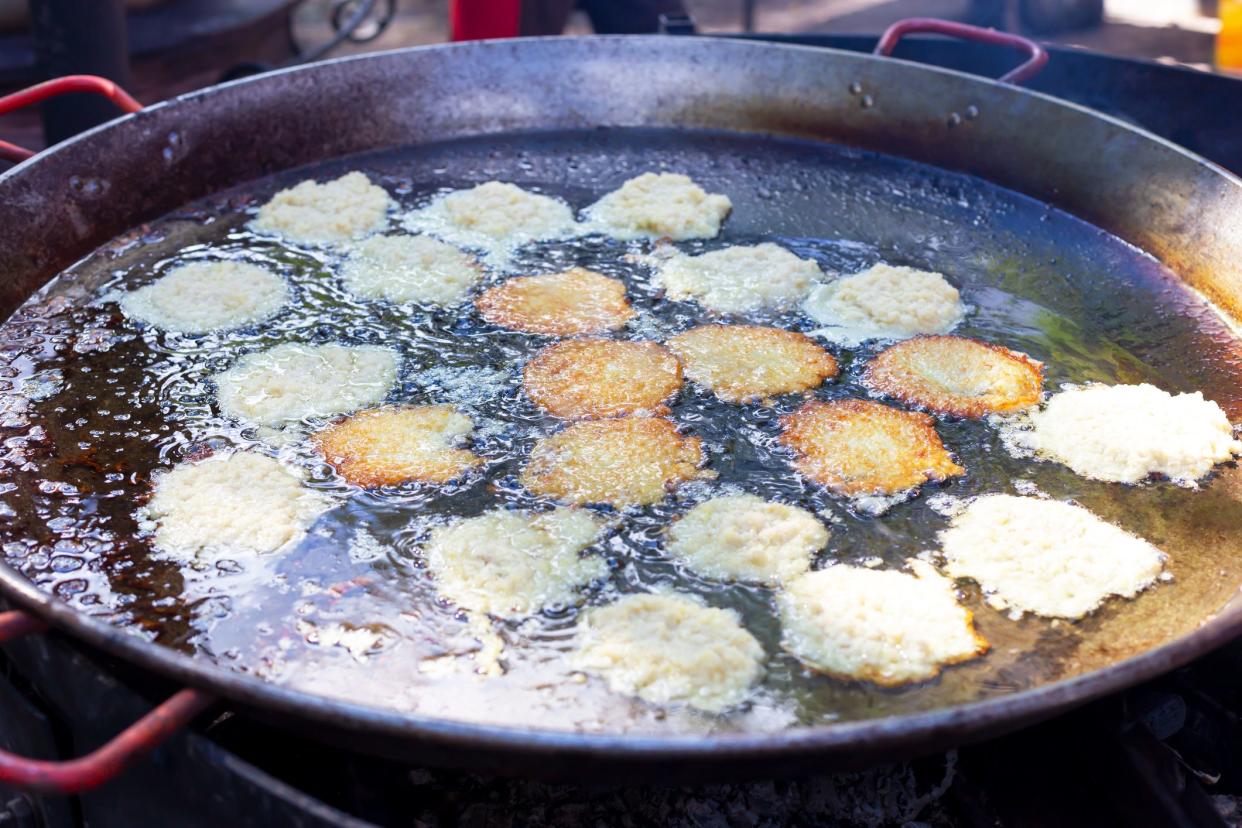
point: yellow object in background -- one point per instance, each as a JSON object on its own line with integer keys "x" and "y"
{"x": 1229, "y": 41}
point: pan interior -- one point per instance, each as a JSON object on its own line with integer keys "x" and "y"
{"x": 94, "y": 403}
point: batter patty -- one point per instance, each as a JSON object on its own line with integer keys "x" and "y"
{"x": 494, "y": 217}
{"x": 885, "y": 302}
{"x": 882, "y": 626}
{"x": 208, "y": 296}
{"x": 291, "y": 382}
{"x": 1126, "y": 433}
{"x": 388, "y": 446}
{"x": 659, "y": 206}
{"x": 743, "y": 363}
{"x": 670, "y": 649}
{"x": 510, "y": 564}
{"x": 345, "y": 208}
{"x": 586, "y": 378}
{"x": 623, "y": 462}
{"x": 575, "y": 302}
{"x": 229, "y": 506}
{"x": 402, "y": 268}
{"x": 1046, "y": 557}
{"x": 747, "y": 538}
{"x": 859, "y": 447}
{"x": 955, "y": 375}
{"x": 739, "y": 279}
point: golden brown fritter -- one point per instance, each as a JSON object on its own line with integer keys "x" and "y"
{"x": 741, "y": 363}
{"x": 859, "y": 447}
{"x": 624, "y": 462}
{"x": 585, "y": 378}
{"x": 386, "y": 446}
{"x": 577, "y": 301}
{"x": 956, "y": 375}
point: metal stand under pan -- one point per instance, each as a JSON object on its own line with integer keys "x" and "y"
{"x": 1149, "y": 756}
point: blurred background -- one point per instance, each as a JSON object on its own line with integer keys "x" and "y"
{"x": 1182, "y": 31}
{"x": 160, "y": 48}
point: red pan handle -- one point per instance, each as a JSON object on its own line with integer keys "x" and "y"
{"x": 1037, "y": 55}
{"x": 107, "y": 761}
{"x": 53, "y": 88}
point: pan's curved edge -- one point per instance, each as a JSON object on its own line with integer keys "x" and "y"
{"x": 805, "y": 96}
{"x": 678, "y": 41}
{"x": 716, "y": 43}
{"x": 897, "y": 735}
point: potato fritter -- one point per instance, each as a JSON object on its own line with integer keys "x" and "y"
{"x": 230, "y": 506}
{"x": 747, "y": 538}
{"x": 577, "y": 301}
{"x": 387, "y": 446}
{"x": 401, "y": 268}
{"x": 659, "y": 205}
{"x": 739, "y": 279}
{"x": 203, "y": 296}
{"x": 331, "y": 212}
{"x": 885, "y": 302}
{"x": 882, "y": 626}
{"x": 956, "y": 375}
{"x": 510, "y": 564}
{"x": 623, "y": 462}
{"x": 741, "y": 363}
{"x": 1054, "y": 559}
{"x": 670, "y": 649}
{"x": 586, "y": 378}
{"x": 292, "y": 382}
{"x": 1126, "y": 433}
{"x": 494, "y": 218}
{"x": 859, "y": 447}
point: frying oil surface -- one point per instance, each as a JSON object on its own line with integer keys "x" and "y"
{"x": 94, "y": 403}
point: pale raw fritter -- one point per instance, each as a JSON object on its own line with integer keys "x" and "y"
{"x": 206, "y": 296}
{"x": 291, "y": 382}
{"x": 625, "y": 461}
{"x": 739, "y": 279}
{"x": 882, "y": 626}
{"x": 741, "y": 363}
{"x": 1124, "y": 433}
{"x": 576, "y": 301}
{"x": 345, "y": 208}
{"x": 494, "y": 217}
{"x": 510, "y": 564}
{"x": 859, "y": 447}
{"x": 747, "y": 538}
{"x": 1043, "y": 556}
{"x": 670, "y": 649}
{"x": 588, "y": 378}
{"x": 230, "y": 506}
{"x": 885, "y": 302}
{"x": 402, "y": 268}
{"x": 659, "y": 206}
{"x": 955, "y": 375}
{"x": 387, "y": 446}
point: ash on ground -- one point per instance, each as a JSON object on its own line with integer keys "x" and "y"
{"x": 906, "y": 794}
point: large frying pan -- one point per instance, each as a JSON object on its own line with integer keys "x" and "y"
{"x": 58, "y": 206}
